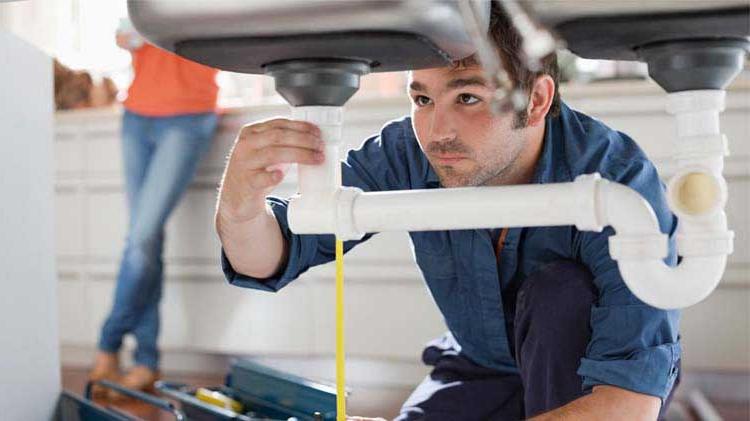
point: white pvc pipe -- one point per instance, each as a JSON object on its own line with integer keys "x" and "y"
{"x": 467, "y": 208}
{"x": 318, "y": 184}
{"x": 703, "y": 240}
{"x": 589, "y": 203}
{"x": 627, "y": 212}
{"x": 314, "y": 179}
{"x": 639, "y": 247}
{"x": 696, "y": 112}
{"x": 659, "y": 285}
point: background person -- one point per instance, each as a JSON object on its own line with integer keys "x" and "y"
{"x": 168, "y": 122}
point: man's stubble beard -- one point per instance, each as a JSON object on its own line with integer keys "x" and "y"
{"x": 492, "y": 175}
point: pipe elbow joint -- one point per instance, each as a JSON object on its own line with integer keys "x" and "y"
{"x": 312, "y": 213}
{"x": 637, "y": 230}
{"x": 325, "y": 213}
{"x": 346, "y": 228}
{"x": 587, "y": 189}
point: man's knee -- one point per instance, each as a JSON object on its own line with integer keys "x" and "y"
{"x": 553, "y": 311}
{"x": 143, "y": 251}
{"x": 558, "y": 292}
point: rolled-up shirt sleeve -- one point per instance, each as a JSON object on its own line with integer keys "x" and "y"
{"x": 633, "y": 345}
{"x": 302, "y": 249}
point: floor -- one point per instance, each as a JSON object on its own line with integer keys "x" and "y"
{"x": 732, "y": 411}
{"x": 74, "y": 380}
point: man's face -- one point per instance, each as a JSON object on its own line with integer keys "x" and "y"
{"x": 464, "y": 141}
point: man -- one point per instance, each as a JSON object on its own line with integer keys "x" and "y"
{"x": 541, "y": 323}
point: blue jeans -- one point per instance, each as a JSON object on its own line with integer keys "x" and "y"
{"x": 160, "y": 157}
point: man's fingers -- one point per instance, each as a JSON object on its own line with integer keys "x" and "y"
{"x": 284, "y": 137}
{"x": 258, "y": 156}
{"x": 265, "y": 179}
{"x": 283, "y": 123}
{"x": 266, "y": 157}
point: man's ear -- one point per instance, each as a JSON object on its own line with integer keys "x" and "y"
{"x": 540, "y": 100}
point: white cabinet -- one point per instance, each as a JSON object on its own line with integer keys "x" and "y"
{"x": 29, "y": 356}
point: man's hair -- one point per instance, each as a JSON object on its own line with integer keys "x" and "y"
{"x": 509, "y": 46}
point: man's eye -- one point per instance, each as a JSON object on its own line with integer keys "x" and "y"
{"x": 421, "y": 100}
{"x": 467, "y": 99}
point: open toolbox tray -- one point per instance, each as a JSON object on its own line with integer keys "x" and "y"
{"x": 265, "y": 393}
{"x": 71, "y": 407}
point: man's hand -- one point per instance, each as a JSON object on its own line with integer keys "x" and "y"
{"x": 607, "y": 402}
{"x": 251, "y": 172}
{"x": 248, "y": 229}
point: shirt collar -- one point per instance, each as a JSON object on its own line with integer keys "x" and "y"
{"x": 544, "y": 166}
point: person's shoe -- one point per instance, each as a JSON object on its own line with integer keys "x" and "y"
{"x": 140, "y": 378}
{"x": 106, "y": 367}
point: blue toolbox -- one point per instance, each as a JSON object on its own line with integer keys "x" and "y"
{"x": 263, "y": 393}
{"x": 252, "y": 392}
{"x": 71, "y": 407}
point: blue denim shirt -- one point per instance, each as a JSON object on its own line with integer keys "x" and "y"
{"x": 633, "y": 346}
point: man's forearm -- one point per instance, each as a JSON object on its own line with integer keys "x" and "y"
{"x": 255, "y": 247}
{"x": 607, "y": 402}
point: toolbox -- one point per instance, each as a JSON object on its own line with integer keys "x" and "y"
{"x": 264, "y": 393}
{"x": 252, "y": 392}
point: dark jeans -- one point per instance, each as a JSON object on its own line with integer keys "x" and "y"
{"x": 550, "y": 334}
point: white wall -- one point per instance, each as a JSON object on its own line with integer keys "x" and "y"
{"x": 36, "y": 22}
{"x": 386, "y": 301}
{"x": 29, "y": 356}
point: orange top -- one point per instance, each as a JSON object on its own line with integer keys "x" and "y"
{"x": 166, "y": 84}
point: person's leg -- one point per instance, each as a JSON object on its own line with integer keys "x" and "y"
{"x": 180, "y": 143}
{"x": 459, "y": 389}
{"x": 136, "y": 151}
{"x": 146, "y": 331}
{"x": 176, "y": 145}
{"x": 551, "y": 333}
{"x": 143, "y": 375}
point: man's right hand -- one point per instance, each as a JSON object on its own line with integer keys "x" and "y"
{"x": 252, "y": 171}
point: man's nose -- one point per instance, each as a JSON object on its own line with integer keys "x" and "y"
{"x": 442, "y": 126}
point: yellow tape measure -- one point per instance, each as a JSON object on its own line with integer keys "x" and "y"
{"x": 340, "y": 358}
